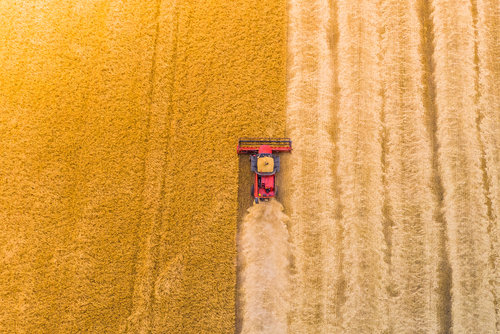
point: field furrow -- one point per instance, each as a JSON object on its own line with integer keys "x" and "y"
{"x": 489, "y": 106}
{"x": 360, "y": 169}
{"x": 310, "y": 199}
{"x": 408, "y": 156}
{"x": 465, "y": 204}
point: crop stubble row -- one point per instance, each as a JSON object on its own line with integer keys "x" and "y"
{"x": 410, "y": 202}
{"x": 375, "y": 149}
{"x": 488, "y": 30}
{"x": 310, "y": 202}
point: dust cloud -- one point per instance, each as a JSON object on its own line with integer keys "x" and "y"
{"x": 264, "y": 269}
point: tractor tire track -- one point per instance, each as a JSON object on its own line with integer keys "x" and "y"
{"x": 146, "y": 286}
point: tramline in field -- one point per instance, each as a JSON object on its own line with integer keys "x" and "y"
{"x": 264, "y": 163}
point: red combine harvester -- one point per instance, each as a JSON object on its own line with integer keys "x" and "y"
{"x": 264, "y": 163}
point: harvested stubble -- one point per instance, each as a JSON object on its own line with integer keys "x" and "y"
{"x": 410, "y": 206}
{"x": 488, "y": 45}
{"x": 392, "y": 107}
{"x": 264, "y": 269}
{"x": 465, "y": 203}
{"x": 360, "y": 168}
{"x": 309, "y": 199}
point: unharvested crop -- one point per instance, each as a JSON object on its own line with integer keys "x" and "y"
{"x": 118, "y": 167}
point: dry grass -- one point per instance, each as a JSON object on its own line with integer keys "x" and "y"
{"x": 383, "y": 104}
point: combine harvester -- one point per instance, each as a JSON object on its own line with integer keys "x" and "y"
{"x": 264, "y": 163}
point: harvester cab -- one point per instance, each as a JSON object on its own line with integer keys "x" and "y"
{"x": 264, "y": 163}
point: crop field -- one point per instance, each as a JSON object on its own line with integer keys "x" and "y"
{"x": 124, "y": 207}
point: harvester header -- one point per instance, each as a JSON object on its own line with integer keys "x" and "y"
{"x": 252, "y": 145}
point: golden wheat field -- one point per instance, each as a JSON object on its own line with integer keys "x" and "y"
{"x": 124, "y": 207}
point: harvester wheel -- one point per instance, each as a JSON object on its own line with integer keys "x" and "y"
{"x": 275, "y": 191}
{"x": 256, "y": 200}
{"x": 253, "y": 190}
